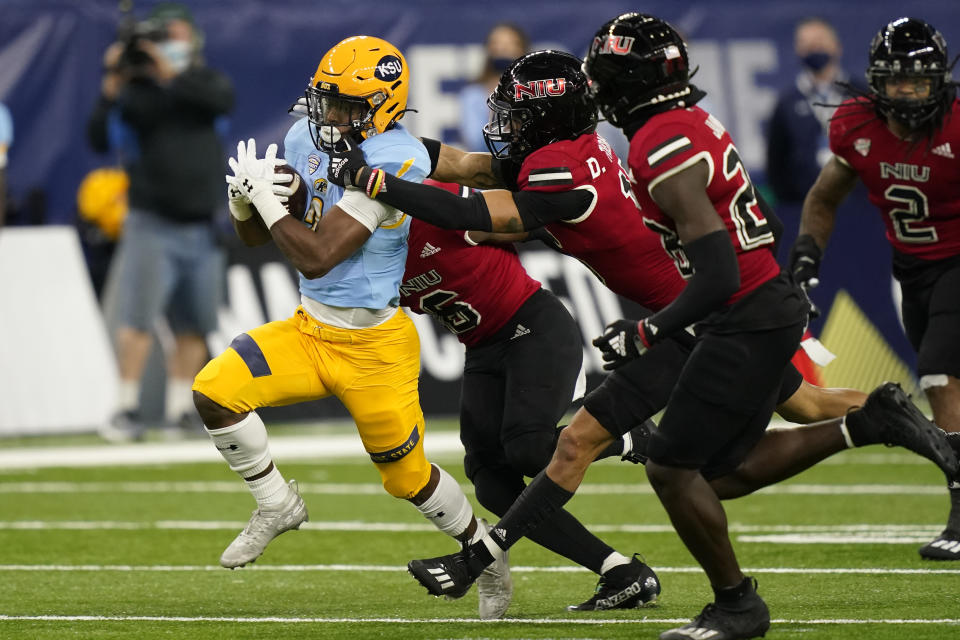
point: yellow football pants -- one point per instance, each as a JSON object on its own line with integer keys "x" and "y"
{"x": 374, "y": 372}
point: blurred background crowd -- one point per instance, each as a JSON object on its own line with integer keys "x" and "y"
{"x": 205, "y": 74}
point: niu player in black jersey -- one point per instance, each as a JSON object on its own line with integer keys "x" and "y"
{"x": 568, "y": 183}
{"x": 897, "y": 140}
{"x": 523, "y": 354}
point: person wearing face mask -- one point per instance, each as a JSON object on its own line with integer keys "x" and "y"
{"x": 797, "y": 144}
{"x": 505, "y": 43}
{"x": 158, "y": 114}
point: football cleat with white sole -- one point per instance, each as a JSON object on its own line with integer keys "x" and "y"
{"x": 495, "y": 586}
{"x": 628, "y": 586}
{"x": 945, "y": 547}
{"x": 263, "y": 527}
{"x": 447, "y": 575}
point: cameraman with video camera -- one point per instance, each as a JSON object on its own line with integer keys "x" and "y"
{"x": 158, "y": 109}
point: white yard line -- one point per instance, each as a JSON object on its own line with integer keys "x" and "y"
{"x": 287, "y": 448}
{"x": 283, "y": 448}
{"x": 366, "y": 568}
{"x": 511, "y": 621}
{"x": 878, "y": 531}
{"x": 371, "y": 488}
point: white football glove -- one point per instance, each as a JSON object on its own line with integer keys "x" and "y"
{"x": 257, "y": 180}
{"x": 238, "y": 203}
{"x": 299, "y": 108}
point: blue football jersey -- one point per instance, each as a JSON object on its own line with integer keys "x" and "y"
{"x": 370, "y": 278}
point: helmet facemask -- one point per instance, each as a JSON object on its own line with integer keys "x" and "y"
{"x": 911, "y": 52}
{"x": 504, "y": 133}
{"x": 329, "y": 111}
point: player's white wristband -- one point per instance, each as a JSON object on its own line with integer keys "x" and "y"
{"x": 269, "y": 206}
{"x": 468, "y": 239}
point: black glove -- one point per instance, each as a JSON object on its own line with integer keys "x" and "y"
{"x": 805, "y": 261}
{"x": 346, "y": 164}
{"x": 623, "y": 341}
{"x": 805, "y": 267}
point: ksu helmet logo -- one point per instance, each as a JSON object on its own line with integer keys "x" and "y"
{"x": 388, "y": 68}
{"x": 617, "y": 45}
{"x": 539, "y": 89}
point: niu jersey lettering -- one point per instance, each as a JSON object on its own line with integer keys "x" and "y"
{"x": 679, "y": 138}
{"x": 915, "y": 185}
{"x": 471, "y": 290}
{"x": 610, "y": 237}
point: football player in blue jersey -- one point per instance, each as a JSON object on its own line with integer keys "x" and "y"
{"x": 348, "y": 338}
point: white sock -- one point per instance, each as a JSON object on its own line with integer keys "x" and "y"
{"x": 447, "y": 508}
{"x": 129, "y": 398}
{"x": 244, "y": 446}
{"x": 179, "y": 398}
{"x": 615, "y": 559}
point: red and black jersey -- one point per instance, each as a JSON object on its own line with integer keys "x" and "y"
{"x": 472, "y": 290}
{"x": 610, "y": 237}
{"x": 916, "y": 185}
{"x": 677, "y": 139}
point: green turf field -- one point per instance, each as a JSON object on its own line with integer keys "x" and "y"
{"x": 119, "y": 552}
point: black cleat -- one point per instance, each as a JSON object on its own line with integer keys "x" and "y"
{"x": 893, "y": 420}
{"x": 635, "y": 443}
{"x": 945, "y": 547}
{"x": 715, "y": 623}
{"x": 625, "y": 587}
{"x": 443, "y": 576}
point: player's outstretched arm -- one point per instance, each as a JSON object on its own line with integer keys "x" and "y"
{"x": 496, "y": 210}
{"x": 472, "y": 169}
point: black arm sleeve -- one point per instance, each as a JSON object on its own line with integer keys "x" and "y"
{"x": 716, "y": 278}
{"x": 538, "y": 208}
{"x": 434, "y": 205}
{"x": 449, "y": 211}
{"x": 433, "y": 150}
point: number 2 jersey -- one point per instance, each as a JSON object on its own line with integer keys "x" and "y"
{"x": 472, "y": 290}
{"x": 915, "y": 185}
{"x": 677, "y": 139}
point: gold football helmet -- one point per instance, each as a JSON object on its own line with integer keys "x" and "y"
{"x": 360, "y": 89}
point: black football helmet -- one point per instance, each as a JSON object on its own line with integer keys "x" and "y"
{"x": 541, "y": 98}
{"x": 636, "y": 61}
{"x": 911, "y": 48}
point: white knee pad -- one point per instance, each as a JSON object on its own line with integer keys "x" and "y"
{"x": 243, "y": 445}
{"x": 933, "y": 380}
{"x": 447, "y": 507}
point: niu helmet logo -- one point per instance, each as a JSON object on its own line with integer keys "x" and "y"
{"x": 617, "y": 45}
{"x": 540, "y": 89}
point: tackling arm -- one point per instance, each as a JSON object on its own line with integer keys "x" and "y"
{"x": 472, "y": 169}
